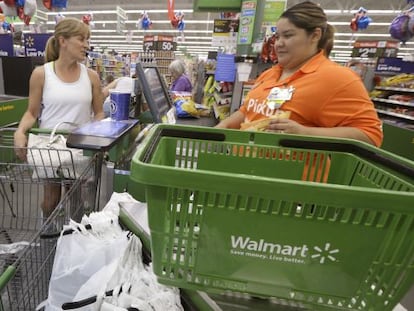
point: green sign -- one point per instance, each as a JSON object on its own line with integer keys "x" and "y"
{"x": 272, "y": 11}
{"x": 247, "y": 17}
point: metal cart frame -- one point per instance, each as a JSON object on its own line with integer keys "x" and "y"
{"x": 27, "y": 241}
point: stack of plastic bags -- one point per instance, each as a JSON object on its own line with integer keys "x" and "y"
{"x": 98, "y": 266}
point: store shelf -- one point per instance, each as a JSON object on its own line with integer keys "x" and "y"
{"x": 396, "y": 89}
{"x": 393, "y": 102}
{"x": 397, "y": 115}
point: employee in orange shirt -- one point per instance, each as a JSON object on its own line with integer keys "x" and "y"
{"x": 323, "y": 98}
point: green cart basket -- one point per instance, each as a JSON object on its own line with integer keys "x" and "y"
{"x": 328, "y": 223}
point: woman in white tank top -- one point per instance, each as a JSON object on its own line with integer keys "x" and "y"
{"x": 63, "y": 89}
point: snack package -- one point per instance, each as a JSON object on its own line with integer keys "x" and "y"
{"x": 261, "y": 125}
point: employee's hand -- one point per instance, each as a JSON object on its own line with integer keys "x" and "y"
{"x": 284, "y": 125}
{"x": 20, "y": 144}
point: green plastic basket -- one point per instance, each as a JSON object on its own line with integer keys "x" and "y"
{"x": 324, "y": 222}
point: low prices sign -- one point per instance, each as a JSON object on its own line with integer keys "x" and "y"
{"x": 374, "y": 48}
{"x": 159, "y": 43}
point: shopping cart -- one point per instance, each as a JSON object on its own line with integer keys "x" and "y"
{"x": 27, "y": 240}
{"x": 326, "y": 223}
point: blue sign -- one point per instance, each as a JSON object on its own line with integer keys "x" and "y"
{"x": 6, "y": 44}
{"x": 225, "y": 68}
{"x": 395, "y": 65}
{"x": 35, "y": 43}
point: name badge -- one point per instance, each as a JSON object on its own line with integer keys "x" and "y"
{"x": 278, "y": 96}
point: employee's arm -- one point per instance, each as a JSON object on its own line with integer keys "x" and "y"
{"x": 233, "y": 121}
{"x": 97, "y": 96}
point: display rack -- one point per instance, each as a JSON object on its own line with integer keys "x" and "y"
{"x": 105, "y": 65}
{"x": 394, "y": 101}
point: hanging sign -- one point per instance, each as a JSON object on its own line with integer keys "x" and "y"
{"x": 35, "y": 43}
{"x": 121, "y": 18}
{"x": 373, "y": 49}
{"x": 6, "y": 44}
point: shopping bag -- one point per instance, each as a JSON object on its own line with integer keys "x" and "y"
{"x": 82, "y": 253}
{"x": 125, "y": 282}
{"x": 49, "y": 156}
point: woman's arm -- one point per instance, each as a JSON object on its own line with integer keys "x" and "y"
{"x": 97, "y": 95}
{"x": 233, "y": 121}
{"x": 110, "y": 86}
{"x": 29, "y": 118}
{"x": 292, "y": 127}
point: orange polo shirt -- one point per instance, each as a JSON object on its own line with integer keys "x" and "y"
{"x": 325, "y": 94}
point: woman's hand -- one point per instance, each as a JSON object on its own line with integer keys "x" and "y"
{"x": 284, "y": 125}
{"x": 20, "y": 144}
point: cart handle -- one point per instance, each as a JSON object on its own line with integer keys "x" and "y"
{"x": 169, "y": 132}
{"x": 350, "y": 148}
{"x": 286, "y": 142}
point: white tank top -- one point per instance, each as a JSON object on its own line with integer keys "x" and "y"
{"x": 65, "y": 102}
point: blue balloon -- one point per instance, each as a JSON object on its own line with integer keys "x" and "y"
{"x": 146, "y": 23}
{"x": 181, "y": 25}
{"x": 363, "y": 22}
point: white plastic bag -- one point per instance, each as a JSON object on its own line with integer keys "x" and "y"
{"x": 80, "y": 255}
{"x": 51, "y": 158}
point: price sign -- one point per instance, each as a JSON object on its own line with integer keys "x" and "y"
{"x": 148, "y": 43}
{"x": 166, "y": 43}
{"x": 373, "y": 49}
{"x": 159, "y": 43}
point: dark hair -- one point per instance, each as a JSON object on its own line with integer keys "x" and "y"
{"x": 308, "y": 15}
{"x": 66, "y": 28}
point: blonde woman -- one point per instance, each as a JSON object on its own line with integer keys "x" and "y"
{"x": 62, "y": 90}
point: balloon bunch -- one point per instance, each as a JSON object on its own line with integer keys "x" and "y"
{"x": 5, "y": 26}
{"x": 361, "y": 20}
{"x": 55, "y": 5}
{"x": 402, "y": 26}
{"x": 178, "y": 21}
{"x": 88, "y": 20}
{"x": 144, "y": 22}
{"x": 24, "y": 9}
{"x": 176, "y": 18}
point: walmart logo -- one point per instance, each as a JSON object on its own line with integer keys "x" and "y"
{"x": 325, "y": 253}
{"x": 246, "y": 246}
{"x": 29, "y": 41}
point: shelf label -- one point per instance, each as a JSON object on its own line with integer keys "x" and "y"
{"x": 374, "y": 48}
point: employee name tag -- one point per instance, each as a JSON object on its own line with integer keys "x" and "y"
{"x": 278, "y": 95}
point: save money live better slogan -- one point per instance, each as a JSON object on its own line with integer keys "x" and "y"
{"x": 35, "y": 43}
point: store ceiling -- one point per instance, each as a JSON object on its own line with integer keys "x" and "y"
{"x": 199, "y": 25}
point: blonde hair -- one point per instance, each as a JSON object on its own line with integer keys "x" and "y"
{"x": 66, "y": 28}
{"x": 308, "y": 15}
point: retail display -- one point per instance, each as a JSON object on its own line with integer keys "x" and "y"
{"x": 394, "y": 100}
{"x": 116, "y": 66}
